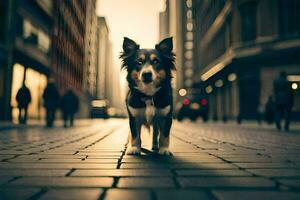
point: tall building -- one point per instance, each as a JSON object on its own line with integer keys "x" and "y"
{"x": 108, "y": 76}
{"x": 90, "y": 74}
{"x": 102, "y": 61}
{"x": 240, "y": 48}
{"x": 69, "y": 43}
{"x": 25, "y": 47}
{"x": 171, "y": 25}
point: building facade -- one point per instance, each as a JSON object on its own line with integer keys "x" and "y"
{"x": 90, "y": 72}
{"x": 102, "y": 58}
{"x": 25, "y": 48}
{"x": 240, "y": 48}
{"x": 108, "y": 76}
{"x": 69, "y": 49}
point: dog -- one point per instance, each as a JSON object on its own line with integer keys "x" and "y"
{"x": 149, "y": 100}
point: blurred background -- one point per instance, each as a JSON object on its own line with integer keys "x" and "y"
{"x": 228, "y": 52}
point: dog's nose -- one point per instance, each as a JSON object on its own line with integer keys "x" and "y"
{"x": 147, "y": 77}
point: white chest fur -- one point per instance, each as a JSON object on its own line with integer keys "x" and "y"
{"x": 149, "y": 112}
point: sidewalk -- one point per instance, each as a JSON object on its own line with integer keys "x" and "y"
{"x": 7, "y": 125}
{"x": 89, "y": 162}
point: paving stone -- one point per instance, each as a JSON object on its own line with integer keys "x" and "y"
{"x": 185, "y": 160}
{"x": 295, "y": 183}
{"x": 74, "y": 194}
{"x": 228, "y": 182}
{"x": 224, "y": 172}
{"x": 103, "y": 156}
{"x": 178, "y": 165}
{"x": 276, "y": 172}
{"x": 63, "y": 182}
{"x": 5, "y": 179}
{"x": 181, "y": 195}
{"x": 146, "y": 182}
{"x": 257, "y": 195}
{"x": 57, "y": 166}
{"x": 17, "y": 193}
{"x": 38, "y": 156}
{"x": 122, "y": 172}
{"x": 127, "y": 194}
{"x": 108, "y": 160}
{"x": 100, "y": 153}
{"x": 249, "y": 159}
{"x": 267, "y": 165}
{"x": 32, "y": 172}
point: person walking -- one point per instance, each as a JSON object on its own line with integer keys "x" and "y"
{"x": 69, "y": 106}
{"x": 283, "y": 100}
{"x": 51, "y": 102}
{"x": 270, "y": 110}
{"x": 23, "y": 98}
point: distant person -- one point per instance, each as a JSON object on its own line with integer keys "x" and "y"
{"x": 260, "y": 111}
{"x": 283, "y": 100}
{"x": 23, "y": 98}
{"x": 69, "y": 106}
{"x": 270, "y": 111}
{"x": 51, "y": 102}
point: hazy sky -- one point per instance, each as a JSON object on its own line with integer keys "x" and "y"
{"x": 136, "y": 19}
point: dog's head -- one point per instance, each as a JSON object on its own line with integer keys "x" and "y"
{"x": 148, "y": 69}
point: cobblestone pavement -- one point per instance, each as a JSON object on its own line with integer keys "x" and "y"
{"x": 211, "y": 161}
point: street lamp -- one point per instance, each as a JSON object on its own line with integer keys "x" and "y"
{"x": 294, "y": 86}
{"x": 231, "y": 77}
{"x": 208, "y": 89}
{"x": 182, "y": 92}
{"x": 219, "y": 83}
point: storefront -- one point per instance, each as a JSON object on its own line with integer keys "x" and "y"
{"x": 36, "y": 82}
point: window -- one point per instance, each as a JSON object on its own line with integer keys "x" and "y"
{"x": 289, "y": 17}
{"x": 2, "y": 21}
{"x": 248, "y": 21}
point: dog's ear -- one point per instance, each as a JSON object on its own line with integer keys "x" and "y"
{"x": 165, "y": 46}
{"x": 129, "y": 46}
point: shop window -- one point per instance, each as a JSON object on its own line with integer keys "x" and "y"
{"x": 36, "y": 82}
{"x": 248, "y": 21}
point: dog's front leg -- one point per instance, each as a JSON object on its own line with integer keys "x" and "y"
{"x": 155, "y": 135}
{"x": 135, "y": 140}
{"x": 164, "y": 137}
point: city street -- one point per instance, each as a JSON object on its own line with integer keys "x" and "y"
{"x": 89, "y": 161}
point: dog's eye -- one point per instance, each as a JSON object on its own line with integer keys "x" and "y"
{"x": 155, "y": 61}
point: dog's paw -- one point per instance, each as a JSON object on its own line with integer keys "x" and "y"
{"x": 165, "y": 152}
{"x": 133, "y": 151}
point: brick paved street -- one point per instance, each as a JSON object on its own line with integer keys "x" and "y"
{"x": 211, "y": 161}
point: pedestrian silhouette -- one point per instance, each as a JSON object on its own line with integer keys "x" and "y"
{"x": 260, "y": 111}
{"x": 51, "y": 102}
{"x": 283, "y": 100}
{"x": 270, "y": 110}
{"x": 69, "y": 106}
{"x": 23, "y": 98}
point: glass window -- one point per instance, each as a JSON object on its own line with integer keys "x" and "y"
{"x": 248, "y": 21}
{"x": 289, "y": 17}
{"x": 2, "y": 21}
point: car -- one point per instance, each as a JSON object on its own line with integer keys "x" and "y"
{"x": 99, "y": 109}
{"x": 193, "y": 105}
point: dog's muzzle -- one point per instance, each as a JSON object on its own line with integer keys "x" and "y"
{"x": 147, "y": 77}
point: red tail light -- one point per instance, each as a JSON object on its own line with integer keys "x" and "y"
{"x": 186, "y": 102}
{"x": 203, "y": 102}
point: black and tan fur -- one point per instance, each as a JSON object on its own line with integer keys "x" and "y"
{"x": 149, "y": 100}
